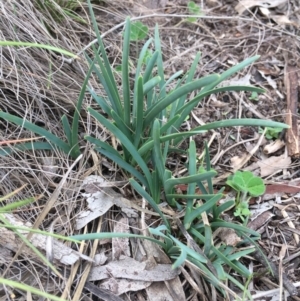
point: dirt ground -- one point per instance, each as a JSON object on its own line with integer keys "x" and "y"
{"x": 42, "y": 87}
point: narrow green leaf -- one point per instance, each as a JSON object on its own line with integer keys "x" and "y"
{"x": 109, "y": 235}
{"x": 150, "y": 200}
{"x": 157, "y": 231}
{"x": 186, "y": 180}
{"x": 221, "y": 257}
{"x": 157, "y": 154}
{"x": 220, "y": 224}
{"x": 170, "y": 98}
{"x": 189, "y": 251}
{"x": 190, "y": 77}
{"x": 224, "y": 207}
{"x": 4, "y": 151}
{"x": 28, "y": 288}
{"x": 107, "y": 66}
{"x": 111, "y": 153}
{"x": 101, "y": 102}
{"x": 151, "y": 84}
{"x": 142, "y": 58}
{"x": 126, "y": 143}
{"x": 147, "y": 146}
{"x": 38, "y": 231}
{"x": 139, "y": 111}
{"x": 37, "y": 130}
{"x": 208, "y": 242}
{"x": 160, "y": 64}
{"x": 104, "y": 145}
{"x": 150, "y": 67}
{"x": 240, "y": 122}
{"x": 203, "y": 208}
{"x": 105, "y": 80}
{"x": 232, "y": 71}
{"x": 37, "y": 45}
{"x": 208, "y": 168}
{"x": 125, "y": 74}
{"x": 191, "y": 186}
{"x": 29, "y": 244}
{"x": 15, "y": 205}
{"x": 180, "y": 259}
{"x": 186, "y": 109}
{"x": 121, "y": 125}
{"x": 220, "y": 271}
{"x": 67, "y": 129}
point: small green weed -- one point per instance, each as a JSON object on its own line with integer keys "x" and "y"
{"x": 254, "y": 96}
{"x": 194, "y": 9}
{"x": 271, "y": 133}
{"x": 247, "y": 185}
{"x": 138, "y": 31}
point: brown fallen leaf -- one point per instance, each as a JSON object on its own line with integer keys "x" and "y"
{"x": 122, "y": 286}
{"x": 129, "y": 268}
{"x": 120, "y": 245}
{"x": 273, "y": 164}
{"x": 100, "y": 199}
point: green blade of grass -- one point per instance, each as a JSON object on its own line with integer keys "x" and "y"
{"x": 241, "y": 122}
{"x": 37, "y": 130}
{"x": 223, "y": 258}
{"x": 158, "y": 107}
{"x": 28, "y": 288}
{"x": 191, "y": 186}
{"x": 119, "y": 122}
{"x": 109, "y": 235}
{"x": 38, "y": 231}
{"x": 160, "y": 64}
{"x": 125, "y": 141}
{"x": 223, "y": 207}
{"x": 170, "y": 183}
{"x": 105, "y": 80}
{"x": 150, "y": 84}
{"x": 15, "y": 205}
{"x": 139, "y": 111}
{"x": 36, "y": 45}
{"x": 188, "y": 219}
{"x": 125, "y": 74}
{"x": 146, "y": 147}
{"x": 150, "y": 66}
{"x": 240, "y": 228}
{"x": 189, "y": 251}
{"x": 157, "y": 154}
{"x": 150, "y": 200}
{"x": 208, "y": 242}
{"x": 67, "y": 129}
{"x": 112, "y": 154}
{"x": 190, "y": 77}
{"x": 4, "y": 151}
{"x": 107, "y": 66}
{"x": 186, "y": 109}
{"x": 232, "y": 71}
{"x": 101, "y": 102}
{"x": 29, "y": 244}
{"x": 180, "y": 260}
